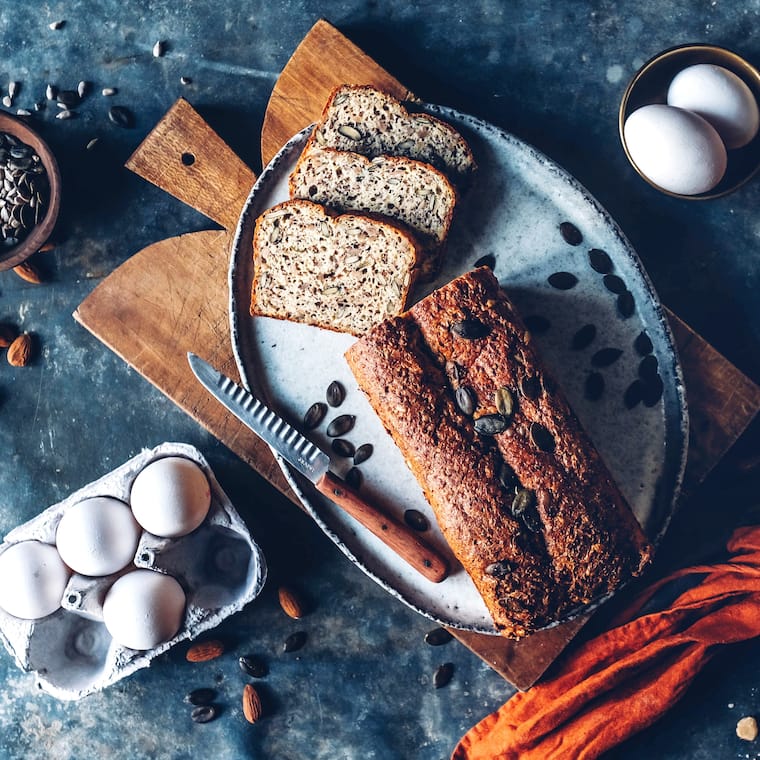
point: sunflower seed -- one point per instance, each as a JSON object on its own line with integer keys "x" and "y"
{"x": 185, "y": 80}
{"x": 92, "y": 143}
{"x": 614, "y": 284}
{"x": 66, "y": 114}
{"x": 294, "y": 642}
{"x": 500, "y": 569}
{"x": 121, "y": 116}
{"x": 203, "y": 713}
{"x": 537, "y": 324}
{"x": 583, "y": 338}
{"x": 336, "y": 393}
{"x": 470, "y": 329}
{"x": 108, "y": 92}
{"x": 626, "y": 304}
{"x": 83, "y": 88}
{"x": 600, "y": 261}
{"x": 570, "y": 233}
{"x": 416, "y": 520}
{"x": 354, "y": 478}
{"x": 541, "y": 437}
{"x": 504, "y": 402}
{"x": 489, "y": 260}
{"x": 652, "y": 390}
{"x": 23, "y": 112}
{"x": 253, "y": 666}
{"x": 648, "y": 367}
{"x": 443, "y": 674}
{"x": 56, "y": 25}
{"x": 203, "y": 696}
{"x": 51, "y": 92}
{"x": 562, "y": 280}
{"x": 605, "y": 356}
{"x": 314, "y": 415}
{"x": 633, "y": 394}
{"x": 159, "y": 49}
{"x": 491, "y": 424}
{"x": 341, "y": 425}
{"x": 363, "y": 453}
{"x": 466, "y": 400}
{"x": 437, "y": 637}
{"x": 593, "y": 388}
{"x": 343, "y": 448}
{"x": 13, "y": 88}
{"x": 507, "y": 477}
{"x": 7, "y": 101}
{"x": 643, "y": 344}
{"x": 352, "y": 133}
{"x": 530, "y": 387}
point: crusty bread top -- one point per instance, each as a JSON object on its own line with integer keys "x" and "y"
{"x": 341, "y": 272}
{"x": 366, "y": 120}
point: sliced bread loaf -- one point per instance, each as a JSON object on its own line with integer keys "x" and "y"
{"x": 341, "y": 272}
{"x": 365, "y": 120}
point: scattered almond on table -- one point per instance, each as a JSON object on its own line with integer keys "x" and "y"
{"x": 28, "y": 271}
{"x": 20, "y": 351}
{"x": 290, "y": 602}
{"x": 251, "y": 704}
{"x": 204, "y": 651}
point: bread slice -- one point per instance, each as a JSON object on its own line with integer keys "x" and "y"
{"x": 365, "y": 120}
{"x": 407, "y": 191}
{"x": 340, "y": 272}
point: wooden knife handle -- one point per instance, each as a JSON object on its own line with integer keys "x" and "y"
{"x": 395, "y": 534}
{"x": 185, "y": 157}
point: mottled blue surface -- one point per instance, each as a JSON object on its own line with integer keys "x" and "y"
{"x": 551, "y": 73}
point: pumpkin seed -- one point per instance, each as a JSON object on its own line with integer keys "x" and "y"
{"x": 491, "y": 424}
{"x": 583, "y": 338}
{"x": 443, "y": 674}
{"x": 500, "y": 569}
{"x": 614, "y": 284}
{"x": 570, "y": 233}
{"x": 416, "y": 520}
{"x": 652, "y": 390}
{"x": 466, "y": 400}
{"x": 203, "y": 713}
{"x": 352, "y": 133}
{"x": 363, "y": 453}
{"x": 524, "y": 499}
{"x": 314, "y": 415}
{"x": 593, "y": 388}
{"x": 454, "y": 372}
{"x": 626, "y": 305}
{"x": 562, "y": 280}
{"x": 541, "y": 437}
{"x": 605, "y": 356}
{"x": 489, "y": 260}
{"x": 530, "y": 387}
{"x": 633, "y": 394}
{"x": 341, "y": 425}
{"x": 507, "y": 477}
{"x": 336, "y": 393}
{"x": 504, "y": 401}
{"x": 600, "y": 261}
{"x": 648, "y": 367}
{"x": 437, "y": 637}
{"x": 537, "y": 324}
{"x": 343, "y": 448}
{"x": 643, "y": 344}
{"x": 470, "y": 329}
{"x": 294, "y": 642}
{"x": 253, "y": 666}
{"x": 203, "y": 696}
{"x": 354, "y": 478}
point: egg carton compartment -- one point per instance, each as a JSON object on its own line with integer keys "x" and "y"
{"x": 218, "y": 565}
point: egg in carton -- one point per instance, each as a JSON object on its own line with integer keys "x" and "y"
{"x": 82, "y": 632}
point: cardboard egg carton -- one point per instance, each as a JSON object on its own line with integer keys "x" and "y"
{"x": 219, "y": 566}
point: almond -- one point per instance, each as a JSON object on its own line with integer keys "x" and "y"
{"x": 20, "y": 350}
{"x": 47, "y": 247}
{"x": 8, "y": 334}
{"x": 29, "y": 272}
{"x": 251, "y": 704}
{"x": 204, "y": 651}
{"x": 290, "y": 602}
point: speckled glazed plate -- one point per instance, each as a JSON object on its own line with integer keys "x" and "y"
{"x": 632, "y": 407}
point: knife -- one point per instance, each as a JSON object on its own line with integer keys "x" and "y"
{"x": 306, "y": 457}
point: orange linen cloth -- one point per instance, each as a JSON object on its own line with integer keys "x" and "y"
{"x": 624, "y": 679}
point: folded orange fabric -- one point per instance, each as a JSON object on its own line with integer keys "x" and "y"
{"x": 623, "y": 680}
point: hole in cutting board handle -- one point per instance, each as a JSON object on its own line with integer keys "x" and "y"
{"x": 188, "y": 159}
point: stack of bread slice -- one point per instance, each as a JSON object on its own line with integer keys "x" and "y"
{"x": 372, "y": 201}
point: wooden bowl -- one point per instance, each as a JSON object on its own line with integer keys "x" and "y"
{"x": 650, "y": 85}
{"x": 38, "y": 235}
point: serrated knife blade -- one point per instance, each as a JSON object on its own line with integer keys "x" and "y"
{"x": 306, "y": 457}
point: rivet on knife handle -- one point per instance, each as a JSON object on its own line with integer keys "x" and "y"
{"x": 392, "y": 532}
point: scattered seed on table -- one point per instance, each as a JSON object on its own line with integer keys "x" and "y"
{"x": 416, "y": 520}
{"x": 643, "y": 344}
{"x": 562, "y": 280}
{"x": 202, "y": 696}
{"x": 23, "y": 112}
{"x": 185, "y": 80}
{"x": 92, "y": 143}
{"x": 583, "y": 338}
{"x": 83, "y": 88}
{"x": 69, "y": 98}
{"x": 51, "y": 92}
{"x": 626, "y": 304}
{"x": 253, "y": 666}
{"x": 159, "y": 49}
{"x": 203, "y": 713}
{"x": 605, "y": 356}
{"x": 56, "y": 25}
{"x": 66, "y": 114}
{"x": 652, "y": 390}
{"x": 314, "y": 415}
{"x": 363, "y": 453}
{"x": 443, "y": 674}
{"x": 648, "y": 367}
{"x": 570, "y": 233}
{"x": 294, "y": 642}
{"x": 341, "y": 425}
{"x": 633, "y": 394}
{"x": 13, "y": 88}
{"x": 437, "y": 637}
{"x": 108, "y": 92}
{"x": 121, "y": 116}
{"x": 7, "y": 101}
{"x": 600, "y": 261}
{"x": 354, "y": 478}
{"x": 335, "y": 393}
{"x": 343, "y": 448}
{"x": 614, "y": 284}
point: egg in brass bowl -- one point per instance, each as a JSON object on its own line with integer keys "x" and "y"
{"x": 650, "y": 86}
{"x": 37, "y": 235}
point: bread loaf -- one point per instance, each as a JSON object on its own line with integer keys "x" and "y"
{"x": 341, "y": 272}
{"x": 365, "y": 120}
{"x": 520, "y": 493}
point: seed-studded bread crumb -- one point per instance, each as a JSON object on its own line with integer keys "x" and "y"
{"x": 341, "y": 272}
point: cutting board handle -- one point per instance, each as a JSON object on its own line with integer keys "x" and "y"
{"x": 185, "y": 157}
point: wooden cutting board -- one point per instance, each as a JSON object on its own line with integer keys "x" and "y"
{"x": 172, "y": 297}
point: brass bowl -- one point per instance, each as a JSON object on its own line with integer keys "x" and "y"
{"x": 38, "y": 235}
{"x": 650, "y": 85}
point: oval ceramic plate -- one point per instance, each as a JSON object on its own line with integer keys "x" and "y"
{"x": 512, "y": 213}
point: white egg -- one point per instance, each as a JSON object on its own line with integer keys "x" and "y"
{"x": 33, "y": 579}
{"x": 676, "y": 149}
{"x": 719, "y": 96}
{"x": 97, "y": 536}
{"x": 143, "y": 609}
{"x": 170, "y": 497}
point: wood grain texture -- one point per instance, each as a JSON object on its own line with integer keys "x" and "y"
{"x": 172, "y": 297}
